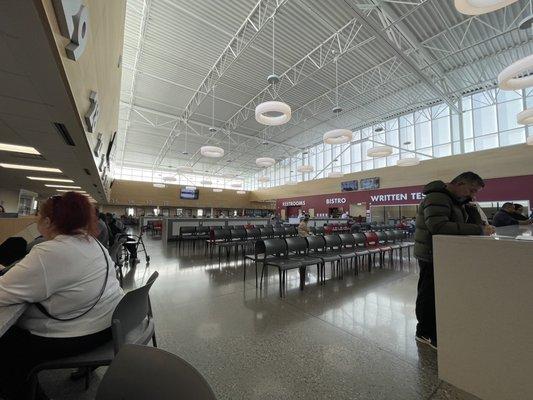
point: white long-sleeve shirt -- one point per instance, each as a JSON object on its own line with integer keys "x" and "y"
{"x": 66, "y": 276}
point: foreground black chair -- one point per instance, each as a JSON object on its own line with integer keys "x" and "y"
{"x": 140, "y": 372}
{"x": 297, "y": 248}
{"x": 132, "y": 323}
{"x": 275, "y": 254}
{"x": 187, "y": 234}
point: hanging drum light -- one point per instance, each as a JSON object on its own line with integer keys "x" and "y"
{"x": 241, "y": 192}
{"x": 291, "y": 183}
{"x": 212, "y": 151}
{"x": 507, "y": 79}
{"x": 408, "y": 162}
{"x": 379, "y": 151}
{"x": 477, "y": 7}
{"x": 525, "y": 117}
{"x": 169, "y": 179}
{"x": 217, "y": 190}
{"x": 338, "y": 136}
{"x": 265, "y": 162}
{"x": 160, "y": 185}
{"x": 236, "y": 185}
{"x": 273, "y": 113}
{"x": 206, "y": 182}
{"x": 305, "y": 168}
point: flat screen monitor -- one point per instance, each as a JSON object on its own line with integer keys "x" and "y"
{"x": 189, "y": 194}
{"x": 349, "y": 186}
{"x": 369, "y": 183}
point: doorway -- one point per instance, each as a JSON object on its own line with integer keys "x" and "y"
{"x": 358, "y": 209}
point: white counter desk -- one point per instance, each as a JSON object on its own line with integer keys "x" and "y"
{"x": 484, "y": 304}
{"x": 9, "y": 315}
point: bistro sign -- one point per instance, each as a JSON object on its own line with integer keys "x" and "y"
{"x": 336, "y": 200}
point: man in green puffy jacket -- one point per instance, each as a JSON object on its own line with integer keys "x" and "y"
{"x": 442, "y": 212}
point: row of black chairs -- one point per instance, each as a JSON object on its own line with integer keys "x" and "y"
{"x": 340, "y": 250}
{"x": 241, "y": 239}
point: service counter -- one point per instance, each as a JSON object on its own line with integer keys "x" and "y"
{"x": 484, "y": 304}
{"x": 171, "y": 225}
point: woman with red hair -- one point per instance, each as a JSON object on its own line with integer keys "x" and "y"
{"x": 70, "y": 281}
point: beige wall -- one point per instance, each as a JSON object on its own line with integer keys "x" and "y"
{"x": 496, "y": 163}
{"x": 98, "y": 68}
{"x": 143, "y": 194}
{"x": 10, "y": 200}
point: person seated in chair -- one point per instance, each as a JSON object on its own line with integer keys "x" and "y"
{"x": 70, "y": 282}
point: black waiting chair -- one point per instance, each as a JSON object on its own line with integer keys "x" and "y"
{"x": 319, "y": 230}
{"x": 221, "y": 240}
{"x": 187, "y": 234}
{"x": 275, "y": 254}
{"x": 350, "y": 252}
{"x": 334, "y": 248}
{"x": 131, "y": 376}
{"x": 400, "y": 239}
{"x": 202, "y": 233}
{"x": 291, "y": 231}
{"x": 385, "y": 247}
{"x": 392, "y": 242}
{"x": 297, "y": 248}
{"x": 131, "y": 323}
{"x": 279, "y": 231}
{"x": 360, "y": 246}
{"x": 239, "y": 239}
{"x": 267, "y": 232}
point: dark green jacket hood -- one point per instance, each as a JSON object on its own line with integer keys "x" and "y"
{"x": 440, "y": 187}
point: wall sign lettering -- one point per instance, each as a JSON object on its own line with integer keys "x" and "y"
{"x": 73, "y": 20}
{"x": 380, "y": 198}
{"x": 91, "y": 117}
{"x": 336, "y": 200}
{"x": 293, "y": 203}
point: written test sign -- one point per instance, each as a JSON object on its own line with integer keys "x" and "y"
{"x": 386, "y": 198}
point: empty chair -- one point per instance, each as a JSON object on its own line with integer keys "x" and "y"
{"x": 131, "y": 376}
{"x": 221, "y": 240}
{"x": 279, "y": 231}
{"x": 267, "y": 232}
{"x": 254, "y": 235}
{"x": 312, "y": 229}
{"x": 373, "y": 246}
{"x": 187, "y": 234}
{"x": 385, "y": 247}
{"x": 360, "y": 246}
{"x": 275, "y": 254}
{"x": 291, "y": 231}
{"x": 334, "y": 247}
{"x": 400, "y": 239}
{"x": 239, "y": 240}
{"x": 202, "y": 233}
{"x": 319, "y": 230}
{"x": 131, "y": 323}
{"x": 392, "y": 243}
{"x": 298, "y": 250}
{"x": 350, "y": 251}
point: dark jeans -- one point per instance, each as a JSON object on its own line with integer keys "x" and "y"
{"x": 20, "y": 352}
{"x": 425, "y": 302}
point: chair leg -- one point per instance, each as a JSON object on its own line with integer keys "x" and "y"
{"x": 280, "y": 283}
{"x": 88, "y": 374}
{"x": 154, "y": 340}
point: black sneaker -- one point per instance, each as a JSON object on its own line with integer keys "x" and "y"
{"x": 427, "y": 340}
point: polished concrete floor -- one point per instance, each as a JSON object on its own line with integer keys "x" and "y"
{"x": 350, "y": 339}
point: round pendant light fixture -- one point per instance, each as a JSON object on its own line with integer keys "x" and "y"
{"x": 160, "y": 185}
{"x": 305, "y": 168}
{"x": 335, "y": 174}
{"x": 408, "y": 162}
{"x": 507, "y": 79}
{"x": 236, "y": 185}
{"x": 185, "y": 169}
{"x": 478, "y": 7}
{"x": 206, "y": 182}
{"x": 291, "y": 183}
{"x": 212, "y": 151}
{"x": 241, "y": 192}
{"x": 338, "y": 136}
{"x": 273, "y": 113}
{"x": 169, "y": 179}
{"x": 379, "y": 151}
{"x": 525, "y": 117}
{"x": 263, "y": 179}
{"x": 265, "y": 162}
{"x": 217, "y": 190}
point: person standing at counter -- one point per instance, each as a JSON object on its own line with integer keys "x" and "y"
{"x": 303, "y": 228}
{"x": 506, "y": 216}
{"x": 442, "y": 212}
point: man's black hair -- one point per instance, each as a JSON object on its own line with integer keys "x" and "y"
{"x": 469, "y": 177}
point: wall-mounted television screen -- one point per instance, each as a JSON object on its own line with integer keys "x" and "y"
{"x": 369, "y": 183}
{"x": 189, "y": 194}
{"x": 349, "y": 186}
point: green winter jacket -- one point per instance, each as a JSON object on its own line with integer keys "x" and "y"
{"x": 440, "y": 213}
